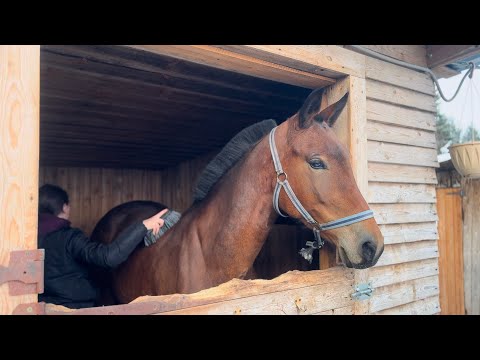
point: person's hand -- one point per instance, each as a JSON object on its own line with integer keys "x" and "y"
{"x": 155, "y": 222}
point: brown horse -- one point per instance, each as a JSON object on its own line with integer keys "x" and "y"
{"x": 219, "y": 237}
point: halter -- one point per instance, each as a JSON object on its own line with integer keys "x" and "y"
{"x": 282, "y": 182}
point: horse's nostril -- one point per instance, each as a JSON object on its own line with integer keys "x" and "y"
{"x": 368, "y": 250}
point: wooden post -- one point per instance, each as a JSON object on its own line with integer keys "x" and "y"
{"x": 19, "y": 156}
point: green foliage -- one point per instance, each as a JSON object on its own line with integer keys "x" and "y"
{"x": 468, "y": 135}
{"x": 446, "y": 129}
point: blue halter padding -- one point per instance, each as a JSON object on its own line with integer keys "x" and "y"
{"x": 317, "y": 227}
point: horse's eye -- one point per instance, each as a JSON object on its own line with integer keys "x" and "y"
{"x": 317, "y": 164}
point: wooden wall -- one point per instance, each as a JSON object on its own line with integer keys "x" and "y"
{"x": 19, "y": 147}
{"x": 401, "y": 190}
{"x": 94, "y": 191}
{"x": 471, "y": 245}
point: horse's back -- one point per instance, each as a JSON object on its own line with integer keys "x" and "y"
{"x": 122, "y": 216}
{"x": 107, "y": 230}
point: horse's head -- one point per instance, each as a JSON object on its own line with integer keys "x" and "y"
{"x": 319, "y": 171}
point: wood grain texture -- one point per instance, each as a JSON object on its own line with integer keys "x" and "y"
{"x": 471, "y": 246}
{"x": 398, "y": 115}
{"x": 400, "y": 135}
{"x": 19, "y": 152}
{"x": 401, "y": 154}
{"x": 400, "y": 193}
{"x": 389, "y": 173}
{"x": 397, "y": 273}
{"x": 403, "y": 253}
{"x": 404, "y": 213}
{"x": 377, "y": 90}
{"x": 402, "y": 293}
{"x": 404, "y": 233}
{"x": 413, "y": 54}
{"x": 398, "y": 76}
{"x": 428, "y": 306}
{"x": 450, "y": 246}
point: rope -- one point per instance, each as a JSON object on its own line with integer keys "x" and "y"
{"x": 416, "y": 68}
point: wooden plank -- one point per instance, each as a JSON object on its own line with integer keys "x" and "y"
{"x": 450, "y": 246}
{"x": 400, "y": 193}
{"x": 347, "y": 310}
{"x": 399, "y": 76}
{"x": 438, "y": 55}
{"x": 377, "y": 90}
{"x": 402, "y": 253}
{"x": 428, "y": 306}
{"x": 393, "y": 274}
{"x": 244, "y": 64}
{"x": 322, "y": 59}
{"x": 398, "y": 115}
{"x": 404, "y": 213}
{"x": 19, "y": 131}
{"x": 388, "y": 297}
{"x": 401, "y": 173}
{"x": 401, "y": 154}
{"x": 404, "y": 233}
{"x": 400, "y": 135}
{"x": 318, "y": 290}
{"x": 471, "y": 247}
{"x": 413, "y": 54}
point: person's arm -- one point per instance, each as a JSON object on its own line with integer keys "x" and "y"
{"x": 113, "y": 254}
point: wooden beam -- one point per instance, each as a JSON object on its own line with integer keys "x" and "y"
{"x": 438, "y": 55}
{"x": 19, "y": 131}
{"x": 244, "y": 64}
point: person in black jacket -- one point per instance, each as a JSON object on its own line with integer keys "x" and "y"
{"x": 68, "y": 251}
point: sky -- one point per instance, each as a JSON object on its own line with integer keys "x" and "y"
{"x": 466, "y": 106}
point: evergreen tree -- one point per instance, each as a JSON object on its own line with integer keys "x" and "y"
{"x": 446, "y": 129}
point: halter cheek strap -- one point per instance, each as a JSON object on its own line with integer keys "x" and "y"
{"x": 282, "y": 182}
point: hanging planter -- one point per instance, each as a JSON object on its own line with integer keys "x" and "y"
{"x": 466, "y": 159}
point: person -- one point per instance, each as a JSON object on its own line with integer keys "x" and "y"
{"x": 69, "y": 252}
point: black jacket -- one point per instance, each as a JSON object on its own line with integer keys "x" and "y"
{"x": 68, "y": 252}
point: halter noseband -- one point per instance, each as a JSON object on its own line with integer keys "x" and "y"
{"x": 282, "y": 182}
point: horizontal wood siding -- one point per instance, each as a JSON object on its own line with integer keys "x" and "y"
{"x": 401, "y": 172}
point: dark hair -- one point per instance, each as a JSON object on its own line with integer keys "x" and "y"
{"x": 51, "y": 199}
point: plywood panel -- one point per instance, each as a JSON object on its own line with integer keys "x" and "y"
{"x": 450, "y": 247}
{"x": 19, "y": 151}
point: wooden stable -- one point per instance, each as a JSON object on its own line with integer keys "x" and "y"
{"x": 119, "y": 123}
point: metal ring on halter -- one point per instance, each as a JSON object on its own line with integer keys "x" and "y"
{"x": 281, "y": 182}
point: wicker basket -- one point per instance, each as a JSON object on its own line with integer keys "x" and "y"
{"x": 466, "y": 158}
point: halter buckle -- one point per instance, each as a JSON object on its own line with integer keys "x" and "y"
{"x": 279, "y": 174}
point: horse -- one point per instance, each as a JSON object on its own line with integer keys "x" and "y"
{"x": 218, "y": 238}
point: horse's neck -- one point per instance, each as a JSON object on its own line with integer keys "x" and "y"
{"x": 230, "y": 226}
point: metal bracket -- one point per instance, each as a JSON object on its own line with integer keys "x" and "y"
{"x": 24, "y": 272}
{"x": 362, "y": 291}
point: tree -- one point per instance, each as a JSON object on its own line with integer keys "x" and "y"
{"x": 467, "y": 137}
{"x": 446, "y": 129}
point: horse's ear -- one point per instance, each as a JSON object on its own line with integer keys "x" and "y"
{"x": 310, "y": 108}
{"x": 330, "y": 113}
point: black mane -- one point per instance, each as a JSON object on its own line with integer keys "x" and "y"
{"x": 229, "y": 156}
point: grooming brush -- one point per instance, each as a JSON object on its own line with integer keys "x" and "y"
{"x": 171, "y": 217}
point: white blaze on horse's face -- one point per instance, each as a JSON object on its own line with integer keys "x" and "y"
{"x": 320, "y": 173}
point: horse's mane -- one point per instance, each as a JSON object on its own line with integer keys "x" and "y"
{"x": 229, "y": 156}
